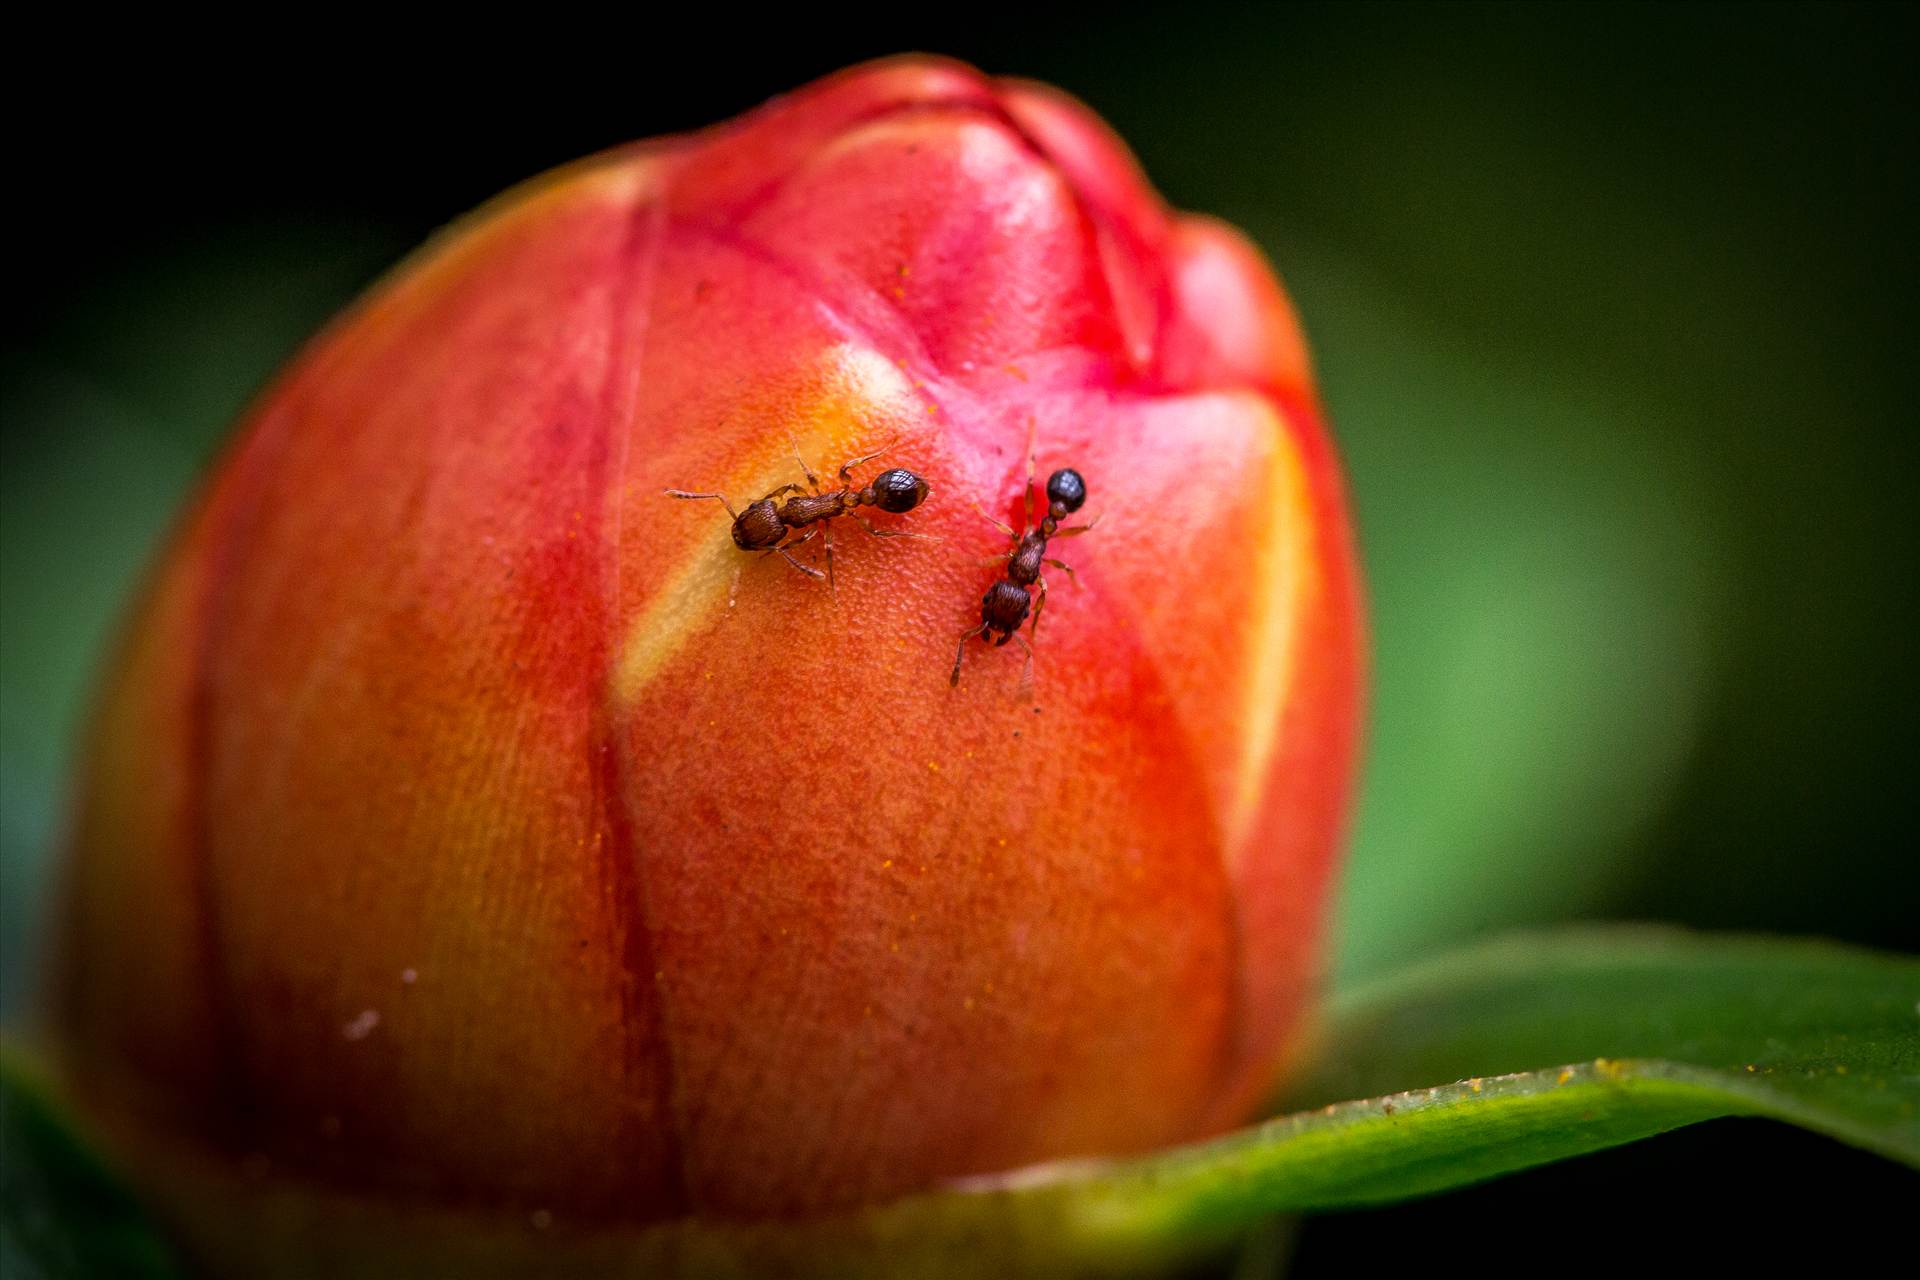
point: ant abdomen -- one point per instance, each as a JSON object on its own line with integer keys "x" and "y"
{"x": 1066, "y": 490}
{"x": 898, "y": 490}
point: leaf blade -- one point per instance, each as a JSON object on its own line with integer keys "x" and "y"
{"x": 1809, "y": 1032}
{"x": 1682, "y": 1017}
{"x": 63, "y": 1214}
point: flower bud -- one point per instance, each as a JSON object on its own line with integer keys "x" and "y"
{"x": 468, "y": 824}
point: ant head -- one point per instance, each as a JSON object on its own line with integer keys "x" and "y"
{"x": 898, "y": 490}
{"x": 1004, "y": 608}
{"x": 758, "y": 527}
{"x": 1066, "y": 490}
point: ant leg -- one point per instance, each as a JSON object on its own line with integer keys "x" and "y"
{"x": 898, "y": 533}
{"x": 1075, "y": 530}
{"x": 1025, "y": 687}
{"x": 720, "y": 498}
{"x": 1002, "y": 558}
{"x": 846, "y": 468}
{"x": 954, "y": 679}
{"x": 787, "y": 555}
{"x": 1002, "y": 526}
{"x": 785, "y": 488}
{"x": 1026, "y": 492}
{"x": 1065, "y": 568}
{"x": 1039, "y": 607}
{"x": 826, "y": 538}
{"x": 812, "y": 479}
{"x": 809, "y": 570}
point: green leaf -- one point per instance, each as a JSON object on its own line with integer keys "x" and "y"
{"x": 1505, "y": 1056}
{"x": 1816, "y": 1034}
{"x": 1490, "y": 1060}
{"x": 62, "y": 1214}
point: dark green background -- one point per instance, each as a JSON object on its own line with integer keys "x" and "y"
{"x": 1614, "y": 313}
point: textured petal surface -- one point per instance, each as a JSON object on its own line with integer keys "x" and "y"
{"x": 470, "y": 822}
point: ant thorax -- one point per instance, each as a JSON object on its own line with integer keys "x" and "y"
{"x": 1024, "y": 566}
{"x": 808, "y": 508}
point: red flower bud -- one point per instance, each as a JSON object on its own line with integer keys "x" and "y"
{"x": 458, "y": 830}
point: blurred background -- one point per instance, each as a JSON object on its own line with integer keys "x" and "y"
{"x": 1614, "y": 315}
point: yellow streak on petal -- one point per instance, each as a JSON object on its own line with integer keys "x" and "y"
{"x": 1289, "y": 571}
{"x": 855, "y": 387}
{"x": 678, "y": 608}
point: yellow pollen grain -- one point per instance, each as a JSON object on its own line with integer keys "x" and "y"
{"x": 1566, "y": 1074}
{"x": 1474, "y": 1085}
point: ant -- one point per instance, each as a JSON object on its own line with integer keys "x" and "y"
{"x": 1004, "y": 607}
{"x": 765, "y": 525}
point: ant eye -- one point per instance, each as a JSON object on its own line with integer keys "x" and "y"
{"x": 898, "y": 490}
{"x": 1067, "y": 488}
